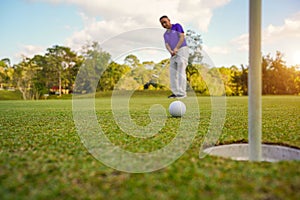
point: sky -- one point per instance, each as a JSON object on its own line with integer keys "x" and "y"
{"x": 29, "y": 27}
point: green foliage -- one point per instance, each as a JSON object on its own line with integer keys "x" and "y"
{"x": 95, "y": 63}
{"x": 195, "y": 79}
{"x": 239, "y": 83}
{"x": 95, "y": 71}
{"x": 112, "y": 75}
{"x": 194, "y": 43}
{"x": 26, "y": 77}
{"x": 61, "y": 61}
{"x": 277, "y": 77}
{"x": 132, "y": 61}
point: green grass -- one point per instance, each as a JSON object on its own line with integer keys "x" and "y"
{"x": 42, "y": 157}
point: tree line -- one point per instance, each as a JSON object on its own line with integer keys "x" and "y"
{"x": 55, "y": 72}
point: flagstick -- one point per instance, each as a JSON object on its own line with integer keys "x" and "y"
{"x": 254, "y": 82}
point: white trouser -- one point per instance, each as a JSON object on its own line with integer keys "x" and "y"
{"x": 178, "y": 64}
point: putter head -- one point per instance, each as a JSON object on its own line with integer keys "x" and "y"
{"x": 155, "y": 76}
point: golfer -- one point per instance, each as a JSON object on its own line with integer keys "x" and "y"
{"x": 176, "y": 45}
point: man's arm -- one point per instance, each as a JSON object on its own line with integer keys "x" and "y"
{"x": 181, "y": 39}
{"x": 169, "y": 49}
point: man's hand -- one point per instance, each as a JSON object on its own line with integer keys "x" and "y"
{"x": 170, "y": 50}
{"x": 175, "y": 51}
{"x": 172, "y": 53}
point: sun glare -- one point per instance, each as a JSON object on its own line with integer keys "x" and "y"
{"x": 296, "y": 57}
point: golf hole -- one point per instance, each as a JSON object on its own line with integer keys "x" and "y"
{"x": 270, "y": 153}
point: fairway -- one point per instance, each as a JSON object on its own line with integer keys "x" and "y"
{"x": 42, "y": 156}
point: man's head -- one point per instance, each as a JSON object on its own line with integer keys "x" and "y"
{"x": 165, "y": 22}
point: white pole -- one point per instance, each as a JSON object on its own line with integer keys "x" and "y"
{"x": 254, "y": 82}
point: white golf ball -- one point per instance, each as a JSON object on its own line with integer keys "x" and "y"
{"x": 177, "y": 109}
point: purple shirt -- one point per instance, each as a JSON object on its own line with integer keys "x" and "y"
{"x": 172, "y": 36}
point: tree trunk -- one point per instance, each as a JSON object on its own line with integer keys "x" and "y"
{"x": 23, "y": 91}
{"x": 59, "y": 78}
